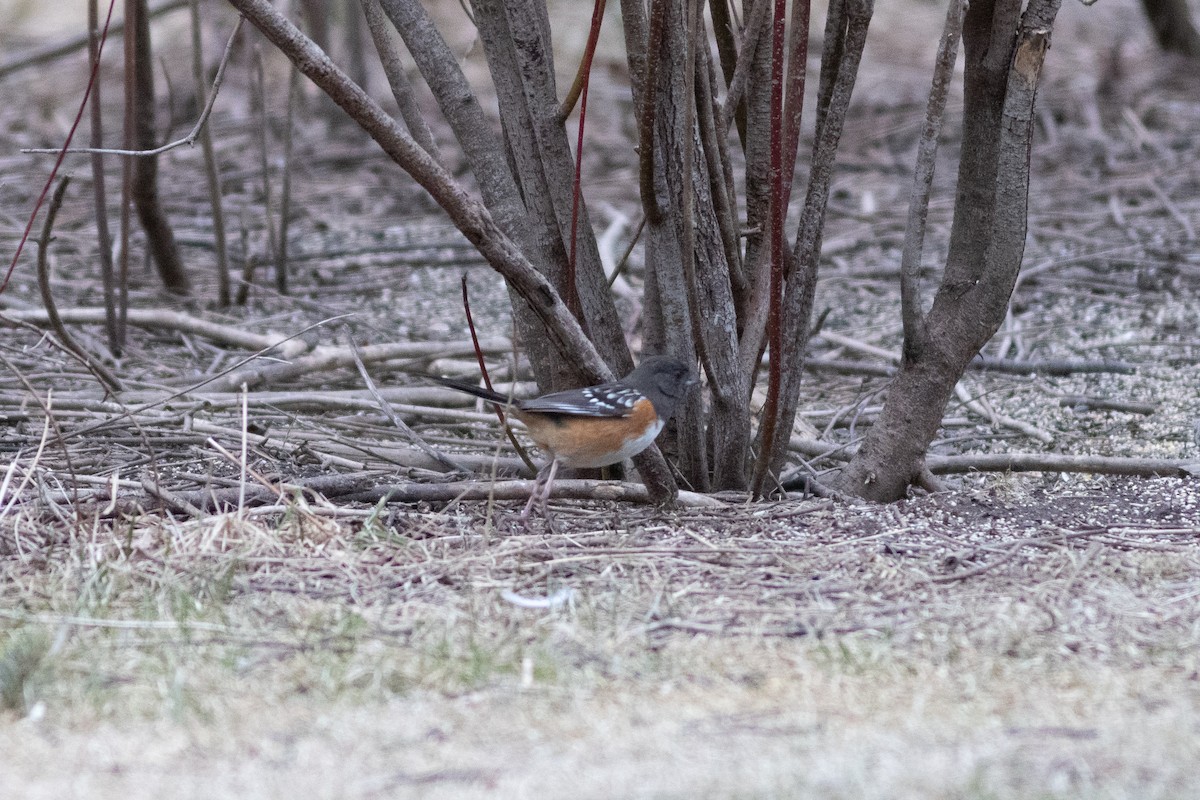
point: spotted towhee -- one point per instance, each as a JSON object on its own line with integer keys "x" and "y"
{"x": 598, "y": 425}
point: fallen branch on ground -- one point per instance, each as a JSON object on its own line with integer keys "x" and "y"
{"x": 162, "y": 319}
{"x": 349, "y": 488}
{"x": 977, "y": 405}
{"x": 324, "y": 359}
{"x": 1022, "y": 462}
{"x": 1032, "y": 366}
{"x": 519, "y": 490}
{"x": 1053, "y": 462}
{"x": 1104, "y": 404}
{"x": 286, "y": 345}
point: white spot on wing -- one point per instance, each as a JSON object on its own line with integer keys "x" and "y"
{"x": 593, "y": 401}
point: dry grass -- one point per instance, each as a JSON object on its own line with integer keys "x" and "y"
{"x": 758, "y": 652}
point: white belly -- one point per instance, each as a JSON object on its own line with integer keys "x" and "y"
{"x": 629, "y": 449}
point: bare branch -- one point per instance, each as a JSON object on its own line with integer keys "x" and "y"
{"x": 99, "y": 191}
{"x": 144, "y": 184}
{"x": 192, "y": 135}
{"x": 846, "y": 35}
{"x": 211, "y": 170}
{"x": 770, "y": 414}
{"x": 393, "y": 68}
{"x": 650, "y": 206}
{"x": 400, "y": 424}
{"x": 471, "y": 218}
{"x": 911, "y": 310}
{"x": 585, "y": 63}
{"x": 110, "y": 381}
{"x": 735, "y": 107}
{"x": 1054, "y": 462}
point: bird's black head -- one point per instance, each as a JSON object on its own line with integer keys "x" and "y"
{"x": 665, "y": 380}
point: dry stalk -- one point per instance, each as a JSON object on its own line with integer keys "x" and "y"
{"x": 102, "y": 373}
{"x": 211, "y": 169}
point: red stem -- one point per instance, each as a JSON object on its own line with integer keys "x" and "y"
{"x": 62, "y": 154}
{"x": 487, "y": 380}
{"x": 585, "y": 70}
{"x": 793, "y": 108}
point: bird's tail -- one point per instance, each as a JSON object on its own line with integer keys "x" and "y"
{"x": 470, "y": 388}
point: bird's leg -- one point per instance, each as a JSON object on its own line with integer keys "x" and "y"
{"x": 541, "y": 488}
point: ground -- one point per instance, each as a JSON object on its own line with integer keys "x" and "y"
{"x": 1016, "y": 636}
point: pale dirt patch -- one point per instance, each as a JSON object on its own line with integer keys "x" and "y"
{"x": 795, "y": 650}
{"x": 809, "y": 732}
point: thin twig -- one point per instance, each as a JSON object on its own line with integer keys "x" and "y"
{"x": 62, "y": 154}
{"x": 51, "y": 422}
{"x": 579, "y": 91}
{"x": 93, "y": 365}
{"x": 579, "y": 85}
{"x": 258, "y": 103}
{"x": 393, "y": 70}
{"x": 285, "y": 188}
{"x": 487, "y": 379}
{"x": 624, "y": 260}
{"x": 911, "y": 311}
{"x": 37, "y": 455}
{"x": 99, "y": 193}
{"x": 400, "y": 424}
{"x": 1189, "y": 230}
{"x": 1105, "y": 404}
{"x": 188, "y": 140}
{"x": 973, "y": 403}
{"x": 974, "y": 572}
{"x": 212, "y": 173}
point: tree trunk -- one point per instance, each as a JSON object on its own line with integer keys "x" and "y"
{"x": 666, "y": 319}
{"x": 516, "y": 41}
{"x": 159, "y": 236}
{"x": 987, "y": 242}
{"x": 845, "y": 36}
{"x": 1173, "y": 26}
{"x": 706, "y": 288}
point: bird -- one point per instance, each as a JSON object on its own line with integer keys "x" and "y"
{"x": 595, "y": 426}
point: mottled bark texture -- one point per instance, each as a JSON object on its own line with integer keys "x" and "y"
{"x": 144, "y": 188}
{"x": 1004, "y": 55}
{"x": 692, "y": 309}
